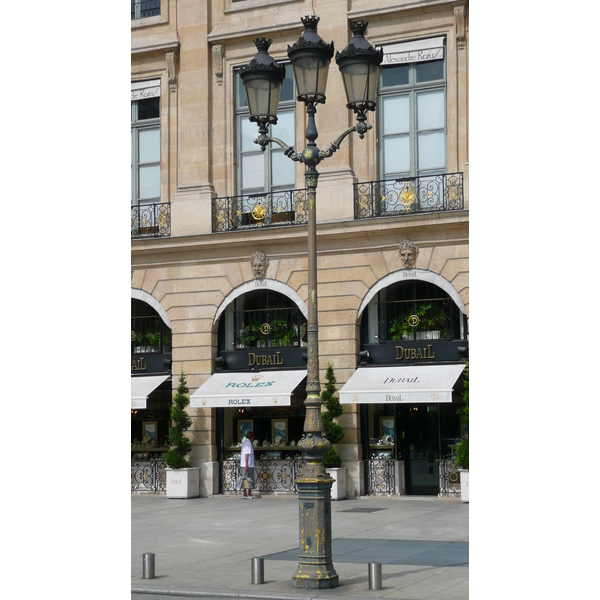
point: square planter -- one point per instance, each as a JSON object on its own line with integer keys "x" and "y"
{"x": 464, "y": 484}
{"x": 338, "y": 488}
{"x": 183, "y": 483}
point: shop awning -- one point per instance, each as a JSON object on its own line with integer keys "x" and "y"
{"x": 142, "y": 387}
{"x": 265, "y": 388}
{"x": 407, "y": 384}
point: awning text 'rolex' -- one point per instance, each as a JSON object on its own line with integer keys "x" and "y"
{"x": 406, "y": 384}
{"x": 142, "y": 387}
{"x": 264, "y": 388}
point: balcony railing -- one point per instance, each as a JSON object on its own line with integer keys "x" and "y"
{"x": 427, "y": 319}
{"x": 140, "y": 9}
{"x": 151, "y": 220}
{"x": 288, "y": 207}
{"x": 270, "y": 327}
{"x": 411, "y": 195}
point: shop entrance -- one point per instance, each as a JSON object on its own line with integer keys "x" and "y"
{"x": 425, "y": 433}
{"x": 418, "y": 446}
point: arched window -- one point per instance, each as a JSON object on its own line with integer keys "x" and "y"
{"x": 411, "y": 311}
{"x": 149, "y": 334}
{"x": 262, "y": 319}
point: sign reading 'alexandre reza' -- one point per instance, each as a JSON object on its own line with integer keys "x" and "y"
{"x": 415, "y": 51}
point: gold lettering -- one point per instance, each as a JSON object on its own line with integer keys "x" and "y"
{"x": 265, "y": 360}
{"x": 138, "y": 365}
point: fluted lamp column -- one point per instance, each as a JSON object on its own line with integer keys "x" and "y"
{"x": 359, "y": 63}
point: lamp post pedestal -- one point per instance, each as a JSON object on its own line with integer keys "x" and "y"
{"x": 315, "y": 566}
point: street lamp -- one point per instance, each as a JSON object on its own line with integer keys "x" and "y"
{"x": 359, "y": 64}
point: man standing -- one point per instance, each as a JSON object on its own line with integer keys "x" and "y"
{"x": 247, "y": 463}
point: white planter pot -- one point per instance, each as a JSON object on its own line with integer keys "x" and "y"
{"x": 464, "y": 484}
{"x": 183, "y": 483}
{"x": 338, "y": 489}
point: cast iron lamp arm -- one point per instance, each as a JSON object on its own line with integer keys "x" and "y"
{"x": 361, "y": 128}
{"x": 263, "y": 140}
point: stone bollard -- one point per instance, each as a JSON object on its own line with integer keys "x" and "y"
{"x": 258, "y": 570}
{"x": 375, "y": 576}
{"x": 148, "y": 566}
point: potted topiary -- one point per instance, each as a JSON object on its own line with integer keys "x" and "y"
{"x": 183, "y": 480}
{"x": 462, "y": 450}
{"x": 334, "y": 432}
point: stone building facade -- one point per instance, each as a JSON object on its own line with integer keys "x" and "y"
{"x": 392, "y": 211}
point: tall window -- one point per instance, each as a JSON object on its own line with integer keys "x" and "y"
{"x": 268, "y": 171}
{"x": 145, "y": 151}
{"x": 412, "y": 112}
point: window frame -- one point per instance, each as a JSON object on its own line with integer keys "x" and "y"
{"x": 242, "y": 114}
{"x": 138, "y": 126}
{"x": 411, "y": 90}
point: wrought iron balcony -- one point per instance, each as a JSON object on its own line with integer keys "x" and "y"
{"x": 140, "y": 9}
{"x": 151, "y": 220}
{"x": 266, "y": 209}
{"x": 407, "y": 196}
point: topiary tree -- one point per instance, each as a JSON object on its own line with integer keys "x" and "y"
{"x": 176, "y": 457}
{"x": 462, "y": 450}
{"x": 333, "y": 431}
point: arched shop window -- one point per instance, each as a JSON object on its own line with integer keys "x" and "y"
{"x": 412, "y": 311}
{"x": 262, "y": 319}
{"x": 149, "y": 334}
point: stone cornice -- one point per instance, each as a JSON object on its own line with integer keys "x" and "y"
{"x": 164, "y": 48}
{"x": 339, "y": 237}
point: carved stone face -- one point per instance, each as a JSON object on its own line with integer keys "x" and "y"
{"x": 408, "y": 254}
{"x": 259, "y": 263}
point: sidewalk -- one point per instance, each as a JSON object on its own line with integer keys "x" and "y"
{"x": 203, "y": 547}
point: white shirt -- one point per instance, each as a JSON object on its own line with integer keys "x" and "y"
{"x": 247, "y": 449}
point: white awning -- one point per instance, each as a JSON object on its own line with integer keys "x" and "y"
{"x": 141, "y": 387}
{"x": 408, "y": 384}
{"x": 265, "y": 388}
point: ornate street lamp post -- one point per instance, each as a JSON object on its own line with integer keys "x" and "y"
{"x": 359, "y": 64}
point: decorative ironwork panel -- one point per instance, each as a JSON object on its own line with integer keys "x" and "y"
{"x": 409, "y": 195}
{"x": 149, "y": 477}
{"x": 381, "y": 477}
{"x": 274, "y": 476}
{"x": 260, "y": 210}
{"x": 449, "y": 478}
{"x": 270, "y": 327}
{"x": 151, "y": 220}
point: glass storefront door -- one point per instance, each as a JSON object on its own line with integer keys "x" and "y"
{"x": 418, "y": 446}
{"x": 425, "y": 433}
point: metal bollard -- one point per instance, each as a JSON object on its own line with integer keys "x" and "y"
{"x": 148, "y": 566}
{"x": 374, "y": 576}
{"x": 258, "y": 570}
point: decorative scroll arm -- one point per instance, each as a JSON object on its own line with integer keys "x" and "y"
{"x": 361, "y": 128}
{"x": 263, "y": 140}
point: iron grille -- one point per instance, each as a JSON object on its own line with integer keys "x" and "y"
{"x": 151, "y": 220}
{"x": 410, "y": 195}
{"x": 140, "y": 9}
{"x": 267, "y": 209}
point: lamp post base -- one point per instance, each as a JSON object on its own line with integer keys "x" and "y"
{"x": 315, "y": 567}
